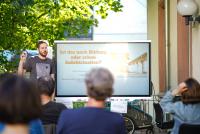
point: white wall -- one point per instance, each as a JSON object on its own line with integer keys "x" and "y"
{"x": 196, "y": 49}
{"x": 173, "y": 44}
{"x": 130, "y": 24}
{"x": 152, "y": 34}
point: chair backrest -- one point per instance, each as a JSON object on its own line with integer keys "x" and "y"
{"x": 50, "y": 128}
{"x": 189, "y": 129}
{"x": 159, "y": 113}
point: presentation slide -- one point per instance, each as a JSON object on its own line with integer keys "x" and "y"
{"x": 129, "y": 63}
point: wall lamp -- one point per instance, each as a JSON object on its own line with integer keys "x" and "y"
{"x": 188, "y": 9}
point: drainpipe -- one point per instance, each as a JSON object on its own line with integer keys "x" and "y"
{"x": 190, "y": 51}
{"x": 167, "y": 82}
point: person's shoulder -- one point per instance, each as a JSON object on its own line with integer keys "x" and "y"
{"x": 76, "y": 111}
{"x": 31, "y": 58}
{"x": 36, "y": 127}
{"x": 56, "y": 104}
{"x": 48, "y": 59}
{"x": 110, "y": 114}
{"x": 34, "y": 57}
{"x": 69, "y": 112}
{"x": 115, "y": 116}
{"x": 35, "y": 123}
{"x": 60, "y": 105}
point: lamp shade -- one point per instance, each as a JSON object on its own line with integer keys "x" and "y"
{"x": 187, "y": 7}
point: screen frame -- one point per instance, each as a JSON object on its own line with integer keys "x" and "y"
{"x": 57, "y": 42}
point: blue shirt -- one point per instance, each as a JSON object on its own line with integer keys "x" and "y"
{"x": 183, "y": 113}
{"x": 90, "y": 120}
{"x": 35, "y": 127}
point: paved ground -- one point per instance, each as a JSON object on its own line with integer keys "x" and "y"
{"x": 156, "y": 131}
{"x": 144, "y": 132}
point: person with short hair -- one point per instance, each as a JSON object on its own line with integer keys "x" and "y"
{"x": 187, "y": 110}
{"x": 20, "y": 106}
{"x": 50, "y": 110}
{"x": 93, "y": 119}
{"x": 38, "y": 66}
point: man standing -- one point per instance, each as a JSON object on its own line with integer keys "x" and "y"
{"x": 38, "y": 66}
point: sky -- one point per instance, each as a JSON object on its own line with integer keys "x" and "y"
{"x": 133, "y": 19}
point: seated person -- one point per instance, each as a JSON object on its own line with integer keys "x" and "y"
{"x": 93, "y": 119}
{"x": 187, "y": 110}
{"x": 50, "y": 110}
{"x": 20, "y": 106}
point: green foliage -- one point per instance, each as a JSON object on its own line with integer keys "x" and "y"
{"x": 23, "y": 22}
{"x": 8, "y": 66}
{"x": 78, "y": 104}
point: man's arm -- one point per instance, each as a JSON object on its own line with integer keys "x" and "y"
{"x": 53, "y": 76}
{"x": 21, "y": 71}
{"x": 52, "y": 72}
{"x": 167, "y": 103}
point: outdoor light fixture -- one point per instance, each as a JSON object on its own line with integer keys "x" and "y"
{"x": 188, "y": 9}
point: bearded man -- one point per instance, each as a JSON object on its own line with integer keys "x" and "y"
{"x": 38, "y": 66}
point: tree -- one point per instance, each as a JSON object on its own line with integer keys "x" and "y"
{"x": 24, "y": 22}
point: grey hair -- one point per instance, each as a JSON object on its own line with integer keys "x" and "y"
{"x": 99, "y": 83}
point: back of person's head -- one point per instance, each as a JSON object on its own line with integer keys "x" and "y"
{"x": 46, "y": 85}
{"x": 19, "y": 100}
{"x": 192, "y": 95}
{"x": 99, "y": 83}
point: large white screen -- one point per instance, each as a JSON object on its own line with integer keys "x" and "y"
{"x": 128, "y": 61}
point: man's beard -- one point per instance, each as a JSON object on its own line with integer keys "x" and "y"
{"x": 43, "y": 54}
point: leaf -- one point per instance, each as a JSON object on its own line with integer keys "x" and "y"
{"x": 23, "y": 22}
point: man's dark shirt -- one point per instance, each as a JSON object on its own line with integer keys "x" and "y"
{"x": 39, "y": 67}
{"x": 51, "y": 111}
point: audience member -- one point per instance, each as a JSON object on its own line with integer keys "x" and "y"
{"x": 93, "y": 119}
{"x": 20, "y": 106}
{"x": 50, "y": 110}
{"x": 187, "y": 110}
